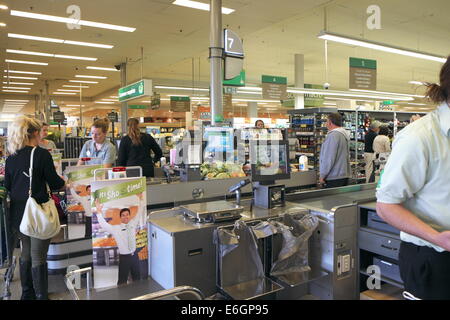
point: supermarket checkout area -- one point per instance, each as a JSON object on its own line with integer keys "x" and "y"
{"x": 183, "y": 248}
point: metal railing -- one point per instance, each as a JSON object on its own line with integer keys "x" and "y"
{"x": 70, "y": 276}
{"x": 173, "y": 293}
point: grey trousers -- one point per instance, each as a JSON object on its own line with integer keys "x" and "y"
{"x": 33, "y": 249}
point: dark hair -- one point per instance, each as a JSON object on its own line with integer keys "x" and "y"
{"x": 45, "y": 124}
{"x": 256, "y": 122}
{"x": 335, "y": 118}
{"x": 384, "y": 131}
{"x": 88, "y": 187}
{"x": 440, "y": 93}
{"x": 133, "y": 131}
{"x": 101, "y": 124}
{"x": 124, "y": 210}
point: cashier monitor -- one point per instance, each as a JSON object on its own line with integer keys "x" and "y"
{"x": 269, "y": 161}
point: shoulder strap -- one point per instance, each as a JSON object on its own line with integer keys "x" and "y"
{"x": 30, "y": 171}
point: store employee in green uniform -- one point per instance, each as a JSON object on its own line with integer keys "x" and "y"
{"x": 414, "y": 196}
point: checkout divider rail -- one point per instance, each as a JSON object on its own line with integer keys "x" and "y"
{"x": 173, "y": 292}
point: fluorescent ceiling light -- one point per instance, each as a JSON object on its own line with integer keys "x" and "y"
{"x": 69, "y": 86}
{"x": 419, "y": 83}
{"x": 325, "y": 35}
{"x": 82, "y": 81}
{"x": 114, "y": 100}
{"x": 77, "y": 43}
{"x": 101, "y": 68}
{"x": 199, "y": 5}
{"x": 248, "y": 92}
{"x": 329, "y": 104}
{"x": 15, "y": 91}
{"x": 68, "y": 90}
{"x": 17, "y": 88}
{"x": 17, "y": 100}
{"x": 349, "y": 94}
{"x": 57, "y": 92}
{"x": 253, "y": 100}
{"x": 18, "y": 83}
{"x": 70, "y": 21}
{"x": 393, "y": 93}
{"x": 26, "y": 62}
{"x": 2, "y": 24}
{"x": 23, "y": 72}
{"x": 23, "y": 78}
{"x": 90, "y": 77}
{"x": 44, "y": 54}
{"x": 75, "y": 105}
{"x": 3, "y": 7}
{"x": 181, "y": 88}
{"x": 417, "y": 104}
{"x": 116, "y": 97}
{"x": 104, "y": 102}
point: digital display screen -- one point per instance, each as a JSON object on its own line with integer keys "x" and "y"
{"x": 219, "y": 140}
{"x": 270, "y": 161}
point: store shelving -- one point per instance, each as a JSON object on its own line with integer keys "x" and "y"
{"x": 308, "y": 130}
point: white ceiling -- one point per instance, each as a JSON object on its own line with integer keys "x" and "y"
{"x": 175, "y": 37}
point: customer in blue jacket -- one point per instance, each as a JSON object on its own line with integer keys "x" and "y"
{"x": 335, "y": 155}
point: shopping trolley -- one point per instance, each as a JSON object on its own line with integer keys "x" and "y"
{"x": 8, "y": 260}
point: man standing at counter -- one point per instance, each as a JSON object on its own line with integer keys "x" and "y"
{"x": 335, "y": 155}
{"x": 413, "y": 196}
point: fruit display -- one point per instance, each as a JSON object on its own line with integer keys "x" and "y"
{"x": 221, "y": 170}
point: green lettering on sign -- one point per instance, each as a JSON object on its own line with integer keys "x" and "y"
{"x": 274, "y": 79}
{"x": 388, "y": 102}
{"x": 180, "y": 99}
{"x": 363, "y": 63}
{"x": 83, "y": 173}
{"x": 135, "y": 106}
{"x": 121, "y": 190}
{"x": 136, "y": 90}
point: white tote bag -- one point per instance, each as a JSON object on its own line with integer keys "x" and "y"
{"x": 39, "y": 221}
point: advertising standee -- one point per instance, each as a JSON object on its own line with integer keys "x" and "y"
{"x": 119, "y": 231}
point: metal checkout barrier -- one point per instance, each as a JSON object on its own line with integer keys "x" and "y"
{"x": 182, "y": 249}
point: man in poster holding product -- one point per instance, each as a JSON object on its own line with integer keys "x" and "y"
{"x": 125, "y": 236}
{"x": 85, "y": 201}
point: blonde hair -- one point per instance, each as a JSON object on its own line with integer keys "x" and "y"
{"x": 20, "y": 131}
{"x": 133, "y": 131}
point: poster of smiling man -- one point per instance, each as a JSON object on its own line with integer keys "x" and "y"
{"x": 119, "y": 231}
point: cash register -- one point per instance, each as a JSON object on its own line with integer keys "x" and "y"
{"x": 269, "y": 163}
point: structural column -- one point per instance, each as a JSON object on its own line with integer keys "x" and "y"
{"x": 299, "y": 80}
{"x": 252, "y": 109}
{"x": 47, "y": 102}
{"x": 215, "y": 61}
{"x": 124, "y": 105}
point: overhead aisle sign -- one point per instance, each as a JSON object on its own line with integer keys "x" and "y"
{"x": 274, "y": 87}
{"x": 180, "y": 104}
{"x": 136, "y": 90}
{"x": 363, "y": 74}
{"x": 238, "y": 81}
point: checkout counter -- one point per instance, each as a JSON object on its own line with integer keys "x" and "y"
{"x": 182, "y": 249}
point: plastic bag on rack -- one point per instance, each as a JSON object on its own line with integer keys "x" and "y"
{"x": 264, "y": 229}
{"x": 296, "y": 231}
{"x": 239, "y": 260}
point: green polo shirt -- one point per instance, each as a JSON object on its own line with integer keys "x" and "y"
{"x": 417, "y": 173}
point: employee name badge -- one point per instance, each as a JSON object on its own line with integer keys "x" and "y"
{"x": 88, "y": 153}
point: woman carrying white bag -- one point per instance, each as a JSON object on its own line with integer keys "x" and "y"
{"x": 29, "y": 175}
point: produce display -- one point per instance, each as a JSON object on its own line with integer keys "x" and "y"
{"x": 221, "y": 170}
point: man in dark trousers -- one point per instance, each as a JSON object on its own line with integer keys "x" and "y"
{"x": 125, "y": 236}
{"x": 369, "y": 154}
{"x": 335, "y": 155}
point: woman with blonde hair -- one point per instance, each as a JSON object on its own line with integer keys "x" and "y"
{"x": 135, "y": 149}
{"x": 23, "y": 138}
{"x": 99, "y": 147}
